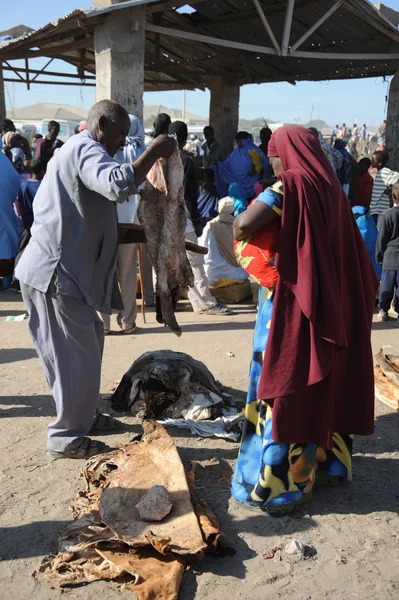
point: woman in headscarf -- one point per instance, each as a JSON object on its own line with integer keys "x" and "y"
{"x": 311, "y": 378}
{"x": 9, "y": 224}
{"x": 127, "y": 253}
{"x": 245, "y": 165}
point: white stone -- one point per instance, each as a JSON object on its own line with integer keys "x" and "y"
{"x": 295, "y": 547}
{"x": 155, "y": 505}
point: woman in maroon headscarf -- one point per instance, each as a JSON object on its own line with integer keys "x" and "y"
{"x": 312, "y": 369}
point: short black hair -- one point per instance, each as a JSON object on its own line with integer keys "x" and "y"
{"x": 364, "y": 163}
{"x": 381, "y": 156}
{"x": 53, "y": 124}
{"x": 8, "y": 125}
{"x": 38, "y": 165}
{"x": 209, "y": 128}
{"x": 37, "y": 136}
{"x": 179, "y": 128}
{"x": 161, "y": 124}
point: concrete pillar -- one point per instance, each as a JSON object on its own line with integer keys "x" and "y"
{"x": 2, "y": 97}
{"x": 223, "y": 113}
{"x": 392, "y": 131}
{"x": 119, "y": 45}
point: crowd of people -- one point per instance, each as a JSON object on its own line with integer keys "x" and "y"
{"x": 290, "y": 214}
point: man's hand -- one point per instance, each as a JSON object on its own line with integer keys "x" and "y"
{"x": 164, "y": 145}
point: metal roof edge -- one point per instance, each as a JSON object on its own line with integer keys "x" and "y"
{"x": 95, "y": 12}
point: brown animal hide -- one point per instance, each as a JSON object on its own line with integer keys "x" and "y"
{"x": 164, "y": 219}
{"x": 109, "y": 541}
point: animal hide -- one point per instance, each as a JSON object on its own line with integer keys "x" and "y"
{"x": 164, "y": 217}
{"x": 109, "y": 541}
{"x": 161, "y": 384}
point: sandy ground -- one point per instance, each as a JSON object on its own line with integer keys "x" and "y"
{"x": 354, "y": 527}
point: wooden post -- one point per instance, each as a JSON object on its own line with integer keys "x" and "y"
{"x": 223, "y": 113}
{"x": 2, "y": 97}
{"x": 392, "y": 131}
{"x": 119, "y": 48}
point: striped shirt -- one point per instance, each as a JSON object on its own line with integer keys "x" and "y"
{"x": 380, "y": 202}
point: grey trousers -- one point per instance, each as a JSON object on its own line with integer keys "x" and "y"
{"x": 69, "y": 339}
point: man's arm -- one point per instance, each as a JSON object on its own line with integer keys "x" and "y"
{"x": 102, "y": 174}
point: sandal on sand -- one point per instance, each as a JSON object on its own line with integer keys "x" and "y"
{"x": 218, "y": 309}
{"x": 87, "y": 449}
{"x": 105, "y": 424}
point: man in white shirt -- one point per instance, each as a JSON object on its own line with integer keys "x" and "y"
{"x": 384, "y": 179}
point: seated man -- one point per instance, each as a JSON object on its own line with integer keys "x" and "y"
{"x": 221, "y": 266}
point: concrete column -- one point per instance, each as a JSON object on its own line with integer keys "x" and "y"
{"x": 223, "y": 113}
{"x": 2, "y": 97}
{"x": 392, "y": 132}
{"x": 119, "y": 45}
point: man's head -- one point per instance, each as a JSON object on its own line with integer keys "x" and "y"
{"x": 38, "y": 168}
{"x": 53, "y": 130}
{"x": 364, "y": 165}
{"x": 8, "y": 125}
{"x": 354, "y": 125}
{"x": 395, "y": 193}
{"x": 226, "y": 205}
{"x": 179, "y": 129}
{"x": 209, "y": 134}
{"x": 109, "y": 123}
{"x": 161, "y": 125}
{"x": 35, "y": 137}
{"x": 242, "y": 135}
{"x": 364, "y": 125}
{"x": 265, "y": 134}
{"x": 380, "y": 159}
{"x": 314, "y": 131}
{"x": 343, "y": 124}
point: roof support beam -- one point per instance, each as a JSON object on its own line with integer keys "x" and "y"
{"x": 312, "y": 29}
{"x": 43, "y": 69}
{"x": 206, "y": 39}
{"x": 339, "y": 56}
{"x": 267, "y": 26}
{"x": 287, "y": 27}
{"x": 52, "y": 82}
{"x": 43, "y": 72}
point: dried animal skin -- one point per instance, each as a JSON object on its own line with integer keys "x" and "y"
{"x": 164, "y": 219}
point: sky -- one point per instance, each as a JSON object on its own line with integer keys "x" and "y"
{"x": 332, "y": 101}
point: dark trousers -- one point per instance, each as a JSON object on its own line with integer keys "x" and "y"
{"x": 389, "y": 281}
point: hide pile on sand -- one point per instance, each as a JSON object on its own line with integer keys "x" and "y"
{"x": 109, "y": 541}
{"x": 386, "y": 375}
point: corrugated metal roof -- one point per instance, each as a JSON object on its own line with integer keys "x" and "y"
{"x": 171, "y": 62}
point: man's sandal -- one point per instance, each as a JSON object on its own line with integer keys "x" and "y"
{"x": 105, "y": 424}
{"x": 87, "y": 449}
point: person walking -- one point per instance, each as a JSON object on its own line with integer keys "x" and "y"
{"x": 67, "y": 270}
{"x": 387, "y": 254}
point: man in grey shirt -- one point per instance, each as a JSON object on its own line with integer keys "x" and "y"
{"x": 67, "y": 270}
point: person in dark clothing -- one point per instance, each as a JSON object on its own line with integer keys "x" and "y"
{"x": 8, "y": 125}
{"x": 35, "y": 137}
{"x": 179, "y": 129}
{"x": 209, "y": 198}
{"x": 46, "y": 146}
{"x": 363, "y": 184}
{"x": 387, "y": 253}
{"x": 265, "y": 134}
{"x": 26, "y": 196}
{"x": 345, "y": 172}
{"x": 161, "y": 125}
